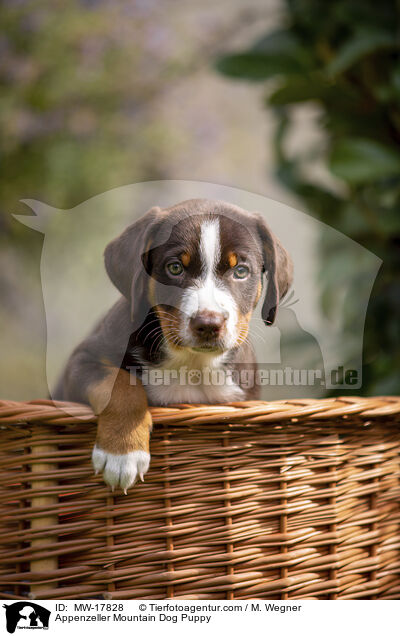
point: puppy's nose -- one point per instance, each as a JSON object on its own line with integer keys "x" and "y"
{"x": 208, "y": 324}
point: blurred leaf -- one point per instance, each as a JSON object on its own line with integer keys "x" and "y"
{"x": 257, "y": 66}
{"x": 395, "y": 80}
{"x": 274, "y": 54}
{"x": 284, "y": 44}
{"x": 319, "y": 200}
{"x": 278, "y": 43}
{"x": 353, "y": 222}
{"x": 360, "y": 160}
{"x": 300, "y": 89}
{"x": 361, "y": 44}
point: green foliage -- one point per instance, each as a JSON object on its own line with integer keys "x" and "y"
{"x": 363, "y": 160}
{"x": 277, "y": 53}
{"x": 345, "y": 58}
{"x": 361, "y": 44}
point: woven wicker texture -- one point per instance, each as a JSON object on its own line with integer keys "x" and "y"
{"x": 282, "y": 500}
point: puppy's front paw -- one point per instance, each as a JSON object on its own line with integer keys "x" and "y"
{"x": 120, "y": 470}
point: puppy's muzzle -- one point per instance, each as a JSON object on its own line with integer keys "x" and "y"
{"x": 208, "y": 326}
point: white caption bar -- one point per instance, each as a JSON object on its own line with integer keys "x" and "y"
{"x": 332, "y": 618}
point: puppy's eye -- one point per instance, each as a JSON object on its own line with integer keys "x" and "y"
{"x": 175, "y": 268}
{"x": 241, "y": 271}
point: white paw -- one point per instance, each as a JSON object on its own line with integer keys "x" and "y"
{"x": 120, "y": 470}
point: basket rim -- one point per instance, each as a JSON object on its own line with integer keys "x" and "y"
{"x": 343, "y": 407}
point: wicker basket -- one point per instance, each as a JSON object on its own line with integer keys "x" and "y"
{"x": 293, "y": 499}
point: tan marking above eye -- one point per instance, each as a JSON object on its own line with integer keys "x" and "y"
{"x": 232, "y": 259}
{"x": 185, "y": 258}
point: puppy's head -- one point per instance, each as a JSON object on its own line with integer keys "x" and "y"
{"x": 200, "y": 265}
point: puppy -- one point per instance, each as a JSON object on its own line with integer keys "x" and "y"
{"x": 190, "y": 276}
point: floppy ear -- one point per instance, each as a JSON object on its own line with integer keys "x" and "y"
{"x": 279, "y": 267}
{"x": 123, "y": 259}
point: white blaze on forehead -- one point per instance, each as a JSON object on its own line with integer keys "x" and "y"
{"x": 210, "y": 248}
{"x": 207, "y": 292}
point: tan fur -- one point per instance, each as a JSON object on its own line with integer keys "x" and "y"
{"x": 124, "y": 421}
{"x": 243, "y": 326}
{"x": 259, "y": 290}
{"x": 232, "y": 259}
{"x": 170, "y": 325}
{"x": 185, "y": 258}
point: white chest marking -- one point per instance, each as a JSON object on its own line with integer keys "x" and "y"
{"x": 191, "y": 377}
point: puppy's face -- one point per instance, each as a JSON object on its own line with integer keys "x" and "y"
{"x": 206, "y": 280}
{"x": 200, "y": 266}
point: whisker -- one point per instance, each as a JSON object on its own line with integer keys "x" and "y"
{"x": 177, "y": 341}
{"x": 151, "y": 322}
{"x": 159, "y": 339}
{"x": 257, "y": 337}
{"x": 165, "y": 313}
{"x": 175, "y": 331}
{"x": 152, "y": 331}
{"x": 287, "y": 305}
{"x": 253, "y": 332}
{"x": 146, "y": 325}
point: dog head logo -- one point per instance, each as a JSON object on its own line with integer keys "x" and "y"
{"x": 26, "y": 615}
{"x": 305, "y": 335}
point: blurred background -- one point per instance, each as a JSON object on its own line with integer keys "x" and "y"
{"x": 285, "y": 98}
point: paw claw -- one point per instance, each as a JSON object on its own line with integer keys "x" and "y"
{"x": 121, "y": 470}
